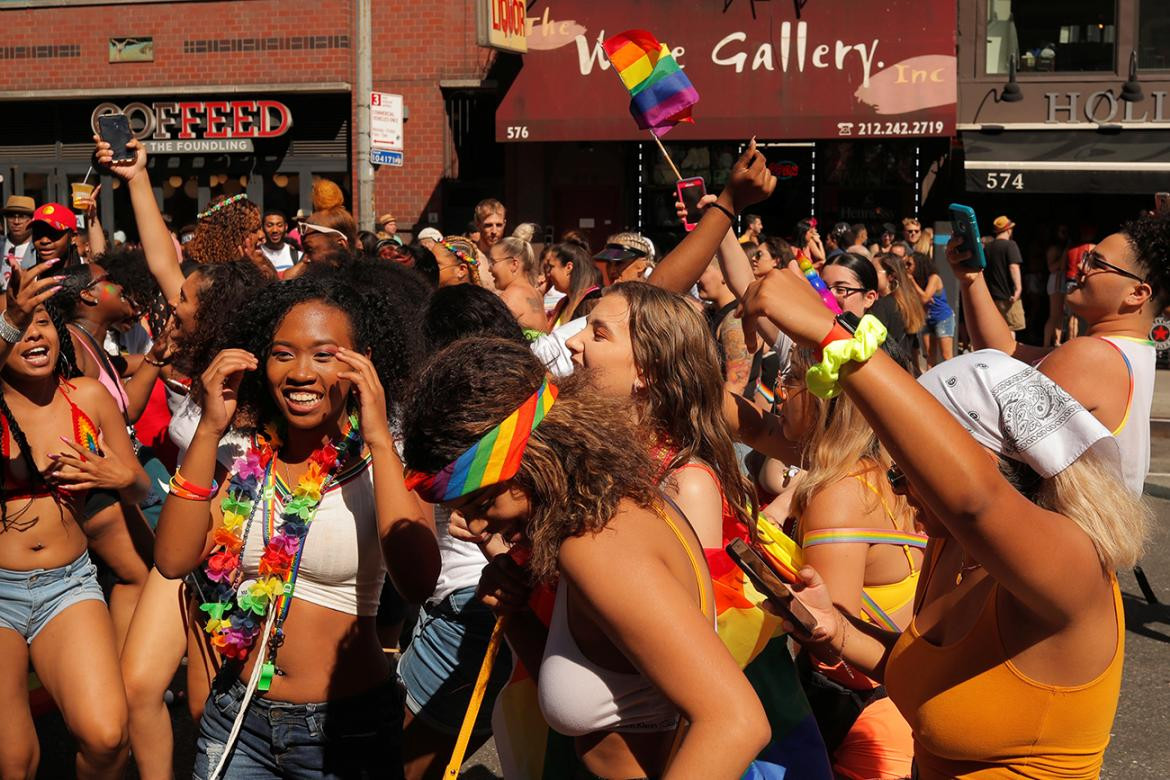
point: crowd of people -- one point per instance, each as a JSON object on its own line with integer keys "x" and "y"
{"x": 326, "y": 466}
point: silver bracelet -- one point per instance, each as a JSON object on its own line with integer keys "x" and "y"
{"x": 8, "y": 331}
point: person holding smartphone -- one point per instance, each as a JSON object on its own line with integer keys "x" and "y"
{"x": 1122, "y": 284}
{"x": 993, "y": 621}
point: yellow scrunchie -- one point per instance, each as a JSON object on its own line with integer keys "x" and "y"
{"x": 822, "y": 379}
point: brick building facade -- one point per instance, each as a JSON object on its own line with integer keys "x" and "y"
{"x": 56, "y": 55}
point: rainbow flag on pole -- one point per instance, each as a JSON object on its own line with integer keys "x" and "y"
{"x": 661, "y": 94}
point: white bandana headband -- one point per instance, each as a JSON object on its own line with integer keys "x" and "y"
{"x": 1013, "y": 409}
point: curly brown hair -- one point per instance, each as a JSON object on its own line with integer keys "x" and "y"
{"x": 219, "y": 236}
{"x": 581, "y": 462}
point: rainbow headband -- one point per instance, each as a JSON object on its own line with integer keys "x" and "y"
{"x": 494, "y": 458}
{"x": 460, "y": 253}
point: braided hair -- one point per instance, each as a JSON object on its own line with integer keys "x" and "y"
{"x": 65, "y": 369}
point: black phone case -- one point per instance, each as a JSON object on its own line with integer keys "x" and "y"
{"x": 114, "y": 129}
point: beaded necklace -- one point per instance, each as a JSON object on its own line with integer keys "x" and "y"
{"x": 237, "y": 607}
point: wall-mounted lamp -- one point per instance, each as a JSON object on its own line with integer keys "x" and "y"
{"x": 1131, "y": 91}
{"x": 1011, "y": 91}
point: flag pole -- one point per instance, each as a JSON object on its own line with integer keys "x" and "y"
{"x": 666, "y": 154}
{"x": 477, "y": 694}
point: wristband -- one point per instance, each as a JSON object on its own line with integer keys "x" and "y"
{"x": 823, "y": 378}
{"x": 838, "y": 333}
{"x": 725, "y": 210}
{"x": 184, "y": 486}
{"x": 8, "y": 331}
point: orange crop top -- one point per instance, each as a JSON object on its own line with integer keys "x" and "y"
{"x": 975, "y": 715}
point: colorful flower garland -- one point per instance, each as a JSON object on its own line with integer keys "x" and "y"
{"x": 236, "y": 607}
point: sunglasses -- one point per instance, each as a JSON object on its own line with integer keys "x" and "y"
{"x": 307, "y": 227}
{"x": 897, "y": 480}
{"x": 1093, "y": 259}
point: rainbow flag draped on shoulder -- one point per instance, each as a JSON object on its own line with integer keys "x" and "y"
{"x": 530, "y": 750}
{"x": 661, "y": 95}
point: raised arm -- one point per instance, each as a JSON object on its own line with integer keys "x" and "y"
{"x": 750, "y": 182}
{"x": 186, "y": 525}
{"x": 157, "y": 245}
{"x": 985, "y": 325}
{"x": 409, "y": 546}
{"x": 959, "y": 482}
{"x": 93, "y": 224}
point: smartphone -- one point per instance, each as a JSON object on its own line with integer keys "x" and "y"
{"x": 690, "y": 191}
{"x": 114, "y": 129}
{"x": 769, "y": 582}
{"x": 1161, "y": 203}
{"x": 964, "y": 225}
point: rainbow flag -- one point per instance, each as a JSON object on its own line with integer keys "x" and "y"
{"x": 661, "y": 94}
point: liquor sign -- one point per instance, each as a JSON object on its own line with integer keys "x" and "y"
{"x": 205, "y": 126}
{"x": 502, "y": 24}
{"x": 386, "y": 121}
{"x": 780, "y": 70}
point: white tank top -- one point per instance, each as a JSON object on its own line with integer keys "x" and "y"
{"x": 342, "y": 566}
{"x": 1133, "y": 435}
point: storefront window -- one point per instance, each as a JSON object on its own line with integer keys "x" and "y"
{"x": 181, "y": 199}
{"x": 282, "y": 192}
{"x": 1154, "y": 35}
{"x": 1051, "y": 35}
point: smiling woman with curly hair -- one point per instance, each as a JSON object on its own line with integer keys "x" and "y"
{"x": 633, "y": 620}
{"x": 296, "y": 375}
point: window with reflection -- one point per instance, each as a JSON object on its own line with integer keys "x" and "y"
{"x": 1052, "y": 35}
{"x": 1154, "y": 35}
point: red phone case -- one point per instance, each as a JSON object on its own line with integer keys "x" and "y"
{"x": 689, "y": 184}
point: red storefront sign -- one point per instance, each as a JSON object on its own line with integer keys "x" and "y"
{"x": 780, "y": 69}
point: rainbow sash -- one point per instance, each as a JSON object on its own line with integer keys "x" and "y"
{"x": 493, "y": 459}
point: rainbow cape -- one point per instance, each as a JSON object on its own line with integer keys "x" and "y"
{"x": 661, "y": 95}
{"x": 530, "y": 750}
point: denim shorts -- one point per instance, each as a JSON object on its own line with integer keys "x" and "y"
{"x": 357, "y": 737}
{"x": 30, "y": 599}
{"x": 439, "y": 668}
{"x": 943, "y": 329}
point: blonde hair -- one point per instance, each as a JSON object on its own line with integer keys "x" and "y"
{"x": 526, "y": 230}
{"x": 488, "y": 206}
{"x": 522, "y": 251}
{"x": 841, "y": 445}
{"x": 1089, "y": 493}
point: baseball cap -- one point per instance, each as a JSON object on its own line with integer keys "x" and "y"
{"x": 431, "y": 233}
{"x": 56, "y": 216}
{"x": 1001, "y": 224}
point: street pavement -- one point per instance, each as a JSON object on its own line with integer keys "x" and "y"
{"x": 1138, "y": 747}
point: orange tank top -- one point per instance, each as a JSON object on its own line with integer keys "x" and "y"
{"x": 975, "y": 715}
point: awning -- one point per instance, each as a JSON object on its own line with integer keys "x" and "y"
{"x": 1107, "y": 161}
{"x": 768, "y": 69}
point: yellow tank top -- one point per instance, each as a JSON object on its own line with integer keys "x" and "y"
{"x": 975, "y": 715}
{"x": 878, "y": 602}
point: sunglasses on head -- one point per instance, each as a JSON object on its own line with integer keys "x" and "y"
{"x": 306, "y": 228}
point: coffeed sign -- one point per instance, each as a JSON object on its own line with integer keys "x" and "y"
{"x": 206, "y": 126}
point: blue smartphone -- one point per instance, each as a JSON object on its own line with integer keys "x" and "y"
{"x": 965, "y": 226}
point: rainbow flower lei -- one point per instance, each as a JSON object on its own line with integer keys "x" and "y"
{"x": 236, "y": 607}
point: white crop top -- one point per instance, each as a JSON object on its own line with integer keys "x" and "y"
{"x": 342, "y": 566}
{"x": 579, "y": 697}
